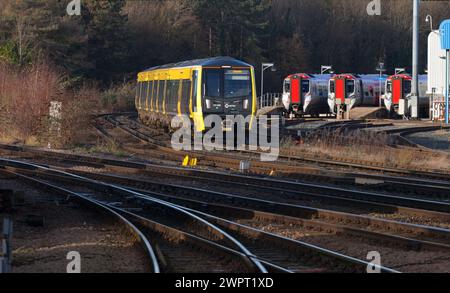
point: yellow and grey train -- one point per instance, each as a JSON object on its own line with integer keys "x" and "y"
{"x": 221, "y": 85}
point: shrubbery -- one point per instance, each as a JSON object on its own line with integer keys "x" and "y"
{"x": 25, "y": 97}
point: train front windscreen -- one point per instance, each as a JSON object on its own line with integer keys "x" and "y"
{"x": 305, "y": 86}
{"x": 350, "y": 86}
{"x": 227, "y": 91}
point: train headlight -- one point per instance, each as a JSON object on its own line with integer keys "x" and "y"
{"x": 246, "y": 102}
{"x": 208, "y": 104}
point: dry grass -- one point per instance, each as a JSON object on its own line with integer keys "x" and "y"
{"x": 104, "y": 147}
{"x": 364, "y": 146}
{"x": 25, "y": 97}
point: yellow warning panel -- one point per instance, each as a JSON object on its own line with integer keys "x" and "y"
{"x": 193, "y": 162}
{"x": 185, "y": 161}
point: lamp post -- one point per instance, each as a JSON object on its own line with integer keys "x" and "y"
{"x": 399, "y": 70}
{"x": 429, "y": 19}
{"x": 415, "y": 62}
{"x": 381, "y": 69}
{"x": 264, "y": 67}
{"x": 325, "y": 68}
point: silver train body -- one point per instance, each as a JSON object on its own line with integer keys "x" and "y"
{"x": 355, "y": 90}
{"x": 306, "y": 94}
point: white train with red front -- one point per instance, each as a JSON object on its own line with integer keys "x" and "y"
{"x": 356, "y": 90}
{"x": 306, "y": 94}
{"x": 399, "y": 87}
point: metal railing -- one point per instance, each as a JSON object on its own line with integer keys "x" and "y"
{"x": 269, "y": 100}
{"x": 5, "y": 246}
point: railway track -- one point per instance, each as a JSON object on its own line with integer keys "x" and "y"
{"x": 416, "y": 231}
{"x": 176, "y": 243}
{"x": 140, "y": 209}
{"x": 438, "y": 197}
{"x": 390, "y": 182}
{"x": 286, "y": 162}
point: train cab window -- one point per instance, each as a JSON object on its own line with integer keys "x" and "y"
{"x": 305, "y": 86}
{"x": 350, "y": 86}
{"x": 212, "y": 83}
{"x": 332, "y": 83}
{"x": 237, "y": 83}
{"x": 287, "y": 86}
{"x": 389, "y": 87}
{"x": 406, "y": 84}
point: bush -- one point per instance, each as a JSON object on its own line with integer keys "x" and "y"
{"x": 25, "y": 95}
{"x": 119, "y": 98}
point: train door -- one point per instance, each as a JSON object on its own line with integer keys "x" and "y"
{"x": 397, "y": 90}
{"x": 295, "y": 93}
{"x": 340, "y": 89}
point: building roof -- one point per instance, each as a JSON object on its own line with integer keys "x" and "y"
{"x": 215, "y": 61}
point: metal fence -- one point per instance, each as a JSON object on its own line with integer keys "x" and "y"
{"x": 5, "y": 246}
{"x": 269, "y": 100}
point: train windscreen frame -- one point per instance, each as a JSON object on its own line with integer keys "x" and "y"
{"x": 237, "y": 83}
{"x": 287, "y": 85}
{"x": 406, "y": 87}
{"x": 350, "y": 86}
{"x": 305, "y": 86}
{"x": 227, "y": 83}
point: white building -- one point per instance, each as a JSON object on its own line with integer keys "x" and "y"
{"x": 436, "y": 65}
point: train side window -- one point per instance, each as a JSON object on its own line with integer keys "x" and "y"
{"x": 155, "y": 94}
{"x": 168, "y": 98}
{"x": 143, "y": 95}
{"x": 160, "y": 95}
{"x": 172, "y": 98}
{"x": 185, "y": 96}
{"x": 150, "y": 98}
{"x": 149, "y": 94}
{"x": 332, "y": 86}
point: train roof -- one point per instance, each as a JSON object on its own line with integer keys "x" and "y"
{"x": 214, "y": 61}
{"x": 407, "y": 76}
{"x": 312, "y": 76}
{"x": 362, "y": 76}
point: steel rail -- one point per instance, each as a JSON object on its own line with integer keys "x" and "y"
{"x": 143, "y": 240}
{"x": 141, "y": 136}
{"x": 287, "y": 209}
{"x": 252, "y": 257}
{"x": 18, "y": 164}
{"x": 280, "y": 185}
{"x": 233, "y": 211}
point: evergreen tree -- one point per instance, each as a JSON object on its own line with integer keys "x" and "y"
{"x": 37, "y": 29}
{"x": 108, "y": 39}
{"x": 233, "y": 27}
